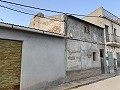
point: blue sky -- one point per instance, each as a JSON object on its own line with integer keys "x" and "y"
{"x": 83, "y": 7}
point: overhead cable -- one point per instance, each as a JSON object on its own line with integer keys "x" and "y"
{"x": 54, "y": 19}
{"x": 43, "y": 9}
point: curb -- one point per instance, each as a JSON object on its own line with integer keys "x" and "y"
{"x": 76, "y": 86}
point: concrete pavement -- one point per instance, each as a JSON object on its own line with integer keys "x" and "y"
{"x": 82, "y": 82}
{"x": 107, "y": 84}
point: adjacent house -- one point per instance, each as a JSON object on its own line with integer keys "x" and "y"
{"x": 30, "y": 59}
{"x": 84, "y": 44}
{"x": 111, "y": 25}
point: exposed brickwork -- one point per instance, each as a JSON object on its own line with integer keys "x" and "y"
{"x": 76, "y": 75}
{"x": 10, "y": 63}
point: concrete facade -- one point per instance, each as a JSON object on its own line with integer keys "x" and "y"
{"x": 83, "y": 43}
{"x": 111, "y": 23}
{"x": 42, "y": 60}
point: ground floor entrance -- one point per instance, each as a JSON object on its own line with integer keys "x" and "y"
{"x": 118, "y": 60}
{"x": 10, "y": 64}
{"x": 113, "y": 63}
{"x": 102, "y": 61}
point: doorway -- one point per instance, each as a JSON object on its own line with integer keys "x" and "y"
{"x": 102, "y": 60}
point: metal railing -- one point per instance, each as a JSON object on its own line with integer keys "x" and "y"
{"x": 110, "y": 16}
{"x": 112, "y": 38}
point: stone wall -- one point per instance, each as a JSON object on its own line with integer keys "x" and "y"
{"x": 81, "y": 45}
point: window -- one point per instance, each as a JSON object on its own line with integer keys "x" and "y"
{"x": 106, "y": 32}
{"x": 101, "y": 52}
{"x": 94, "y": 56}
{"x": 114, "y": 31}
{"x": 86, "y": 29}
{"x": 101, "y": 34}
{"x": 114, "y": 35}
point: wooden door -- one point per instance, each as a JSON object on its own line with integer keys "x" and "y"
{"x": 10, "y": 64}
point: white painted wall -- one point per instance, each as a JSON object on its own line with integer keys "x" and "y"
{"x": 43, "y": 58}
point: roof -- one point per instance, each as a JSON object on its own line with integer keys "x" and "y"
{"x": 27, "y": 29}
{"x": 84, "y": 21}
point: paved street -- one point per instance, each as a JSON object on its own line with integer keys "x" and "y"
{"x": 108, "y": 84}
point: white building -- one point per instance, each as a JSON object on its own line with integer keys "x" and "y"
{"x": 30, "y": 59}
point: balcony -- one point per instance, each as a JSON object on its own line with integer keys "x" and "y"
{"x": 113, "y": 40}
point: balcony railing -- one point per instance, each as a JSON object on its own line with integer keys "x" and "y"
{"x": 112, "y": 38}
{"x": 110, "y": 16}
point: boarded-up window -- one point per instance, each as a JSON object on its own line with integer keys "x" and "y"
{"x": 86, "y": 29}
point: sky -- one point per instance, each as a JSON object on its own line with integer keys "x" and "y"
{"x": 81, "y": 7}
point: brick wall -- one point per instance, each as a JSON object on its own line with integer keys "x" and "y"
{"x": 10, "y": 63}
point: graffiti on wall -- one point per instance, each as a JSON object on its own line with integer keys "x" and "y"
{"x": 73, "y": 55}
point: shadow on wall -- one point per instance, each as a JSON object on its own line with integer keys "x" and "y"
{"x": 45, "y": 85}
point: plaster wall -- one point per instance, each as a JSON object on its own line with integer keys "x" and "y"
{"x": 43, "y": 60}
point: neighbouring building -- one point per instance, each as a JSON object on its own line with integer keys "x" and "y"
{"x": 52, "y": 23}
{"x": 111, "y": 23}
{"x": 30, "y": 59}
{"x": 84, "y": 44}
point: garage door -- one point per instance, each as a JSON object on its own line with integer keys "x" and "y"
{"x": 10, "y": 64}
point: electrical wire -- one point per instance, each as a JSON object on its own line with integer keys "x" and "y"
{"x": 29, "y": 13}
{"x": 23, "y": 8}
{"x": 15, "y": 10}
{"x": 43, "y": 9}
{"x": 33, "y": 12}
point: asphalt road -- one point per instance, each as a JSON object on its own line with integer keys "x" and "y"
{"x": 108, "y": 84}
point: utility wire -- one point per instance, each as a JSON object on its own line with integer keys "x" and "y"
{"x": 23, "y": 9}
{"x": 16, "y": 10}
{"x": 29, "y": 13}
{"x": 43, "y": 9}
{"x": 32, "y": 11}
